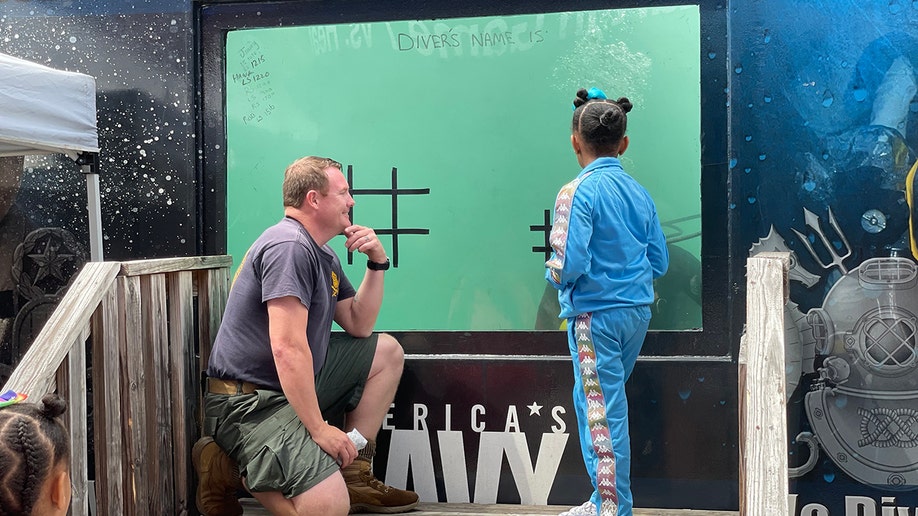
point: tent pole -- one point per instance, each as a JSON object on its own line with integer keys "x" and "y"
{"x": 90, "y": 167}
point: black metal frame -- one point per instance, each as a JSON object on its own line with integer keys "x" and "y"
{"x": 722, "y": 275}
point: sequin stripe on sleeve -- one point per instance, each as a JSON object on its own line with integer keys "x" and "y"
{"x": 596, "y": 416}
{"x": 559, "y": 228}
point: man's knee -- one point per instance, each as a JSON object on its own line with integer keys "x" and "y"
{"x": 389, "y": 350}
{"x": 329, "y": 496}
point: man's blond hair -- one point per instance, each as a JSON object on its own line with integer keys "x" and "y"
{"x": 306, "y": 174}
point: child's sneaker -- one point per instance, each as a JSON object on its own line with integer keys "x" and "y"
{"x": 587, "y": 509}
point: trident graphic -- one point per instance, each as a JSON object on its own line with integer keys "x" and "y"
{"x": 812, "y": 221}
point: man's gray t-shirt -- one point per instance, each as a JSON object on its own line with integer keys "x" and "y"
{"x": 283, "y": 261}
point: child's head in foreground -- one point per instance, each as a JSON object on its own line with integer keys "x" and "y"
{"x": 34, "y": 457}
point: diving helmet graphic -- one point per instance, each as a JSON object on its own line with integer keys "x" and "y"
{"x": 863, "y": 407}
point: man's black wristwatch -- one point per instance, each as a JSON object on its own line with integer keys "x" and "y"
{"x": 373, "y": 266}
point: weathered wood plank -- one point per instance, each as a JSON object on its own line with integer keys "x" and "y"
{"x": 763, "y": 425}
{"x": 213, "y": 288}
{"x": 742, "y": 370}
{"x": 185, "y": 391}
{"x": 165, "y": 265}
{"x": 70, "y": 381}
{"x": 106, "y": 406}
{"x": 79, "y": 432}
{"x": 137, "y": 489}
{"x": 35, "y": 372}
{"x": 157, "y": 398}
{"x": 79, "y": 447}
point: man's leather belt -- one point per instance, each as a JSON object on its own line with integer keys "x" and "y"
{"x": 230, "y": 387}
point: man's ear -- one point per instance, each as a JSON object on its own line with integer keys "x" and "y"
{"x": 312, "y": 198}
{"x": 623, "y": 146}
{"x": 60, "y": 489}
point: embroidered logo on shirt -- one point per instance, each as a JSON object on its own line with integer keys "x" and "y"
{"x": 334, "y": 279}
{"x": 241, "y": 265}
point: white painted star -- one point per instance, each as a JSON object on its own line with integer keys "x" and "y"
{"x": 535, "y": 408}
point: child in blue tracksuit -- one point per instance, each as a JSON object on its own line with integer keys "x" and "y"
{"x": 608, "y": 248}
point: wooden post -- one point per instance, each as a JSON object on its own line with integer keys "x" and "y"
{"x": 107, "y": 390}
{"x": 79, "y": 474}
{"x": 762, "y": 410}
{"x": 134, "y": 360}
{"x": 160, "y": 449}
{"x": 185, "y": 393}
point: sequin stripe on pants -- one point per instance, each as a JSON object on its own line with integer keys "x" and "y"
{"x": 596, "y": 417}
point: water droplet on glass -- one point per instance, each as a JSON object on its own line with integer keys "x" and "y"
{"x": 732, "y": 163}
{"x": 751, "y": 199}
{"x": 685, "y": 393}
{"x": 712, "y": 55}
{"x": 809, "y": 185}
{"x": 767, "y": 99}
{"x": 828, "y": 99}
{"x": 859, "y": 93}
{"x": 738, "y": 69}
{"x": 748, "y": 137}
{"x": 762, "y": 157}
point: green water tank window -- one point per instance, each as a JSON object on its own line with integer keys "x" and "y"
{"x": 455, "y": 137}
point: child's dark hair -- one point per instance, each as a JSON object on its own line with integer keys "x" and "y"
{"x": 600, "y": 123}
{"x": 33, "y": 441}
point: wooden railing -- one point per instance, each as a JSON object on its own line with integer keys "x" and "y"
{"x": 149, "y": 325}
{"x": 763, "y": 471}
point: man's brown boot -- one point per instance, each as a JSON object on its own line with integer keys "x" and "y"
{"x": 369, "y": 494}
{"x": 218, "y": 479}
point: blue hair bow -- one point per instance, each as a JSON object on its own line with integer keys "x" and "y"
{"x": 595, "y": 93}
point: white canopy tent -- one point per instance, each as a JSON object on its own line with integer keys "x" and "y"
{"x": 48, "y": 111}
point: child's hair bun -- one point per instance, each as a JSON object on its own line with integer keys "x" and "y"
{"x": 581, "y": 98}
{"x": 52, "y": 406}
{"x": 609, "y": 117}
{"x": 625, "y": 104}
